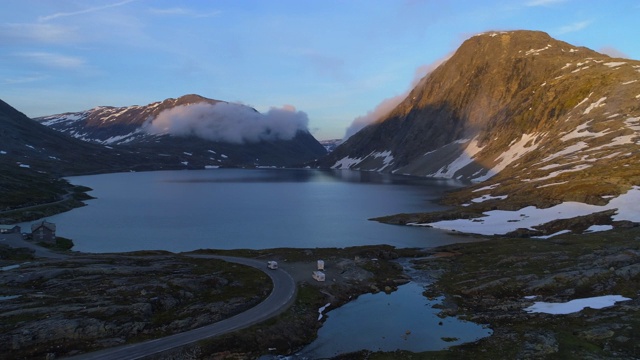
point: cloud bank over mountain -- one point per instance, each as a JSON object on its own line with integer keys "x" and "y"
{"x": 386, "y": 105}
{"x": 228, "y": 122}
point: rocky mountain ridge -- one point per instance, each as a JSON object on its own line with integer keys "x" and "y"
{"x": 33, "y": 157}
{"x": 126, "y": 127}
{"x": 531, "y": 118}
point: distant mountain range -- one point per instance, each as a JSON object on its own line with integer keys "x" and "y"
{"x": 196, "y": 117}
{"x": 33, "y": 157}
{"x": 530, "y": 117}
{"x": 34, "y": 154}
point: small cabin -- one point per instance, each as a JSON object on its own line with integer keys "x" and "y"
{"x": 321, "y": 265}
{"x": 273, "y": 265}
{"x": 318, "y": 276}
{"x": 10, "y": 229}
{"x": 44, "y": 232}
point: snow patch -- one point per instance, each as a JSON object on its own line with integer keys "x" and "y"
{"x": 388, "y": 158}
{"x": 594, "y": 105}
{"x": 629, "y": 82}
{"x": 517, "y": 149}
{"x": 212, "y": 166}
{"x": 500, "y": 222}
{"x": 554, "y": 234}
{"x": 2, "y": 152}
{"x": 537, "y": 51}
{"x": 614, "y": 64}
{"x": 575, "y": 305}
{"x": 463, "y": 160}
{"x": 346, "y": 163}
{"x": 566, "y": 151}
{"x": 598, "y": 228}
{"x": 321, "y": 310}
{"x": 490, "y": 187}
{"x": 579, "y": 167}
{"x": 583, "y": 101}
{"x": 484, "y": 198}
{"x": 553, "y": 184}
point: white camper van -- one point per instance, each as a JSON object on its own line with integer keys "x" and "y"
{"x": 318, "y": 275}
{"x": 272, "y": 265}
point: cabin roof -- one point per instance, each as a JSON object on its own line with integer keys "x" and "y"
{"x": 45, "y": 224}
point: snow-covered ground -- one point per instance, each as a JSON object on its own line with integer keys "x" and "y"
{"x": 500, "y": 222}
{"x": 575, "y": 305}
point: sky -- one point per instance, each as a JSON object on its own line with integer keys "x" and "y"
{"x": 335, "y": 61}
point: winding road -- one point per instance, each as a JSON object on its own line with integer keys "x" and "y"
{"x": 281, "y": 297}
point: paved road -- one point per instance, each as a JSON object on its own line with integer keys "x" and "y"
{"x": 15, "y": 240}
{"x": 282, "y": 295}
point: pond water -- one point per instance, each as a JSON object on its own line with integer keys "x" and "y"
{"x": 255, "y": 209}
{"x": 403, "y": 319}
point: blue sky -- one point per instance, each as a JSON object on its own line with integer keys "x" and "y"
{"x": 333, "y": 60}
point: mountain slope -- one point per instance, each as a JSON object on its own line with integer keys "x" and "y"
{"x": 32, "y": 157}
{"x": 130, "y": 128}
{"x": 544, "y": 120}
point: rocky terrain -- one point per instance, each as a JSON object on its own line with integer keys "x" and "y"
{"x": 87, "y": 302}
{"x": 494, "y": 281}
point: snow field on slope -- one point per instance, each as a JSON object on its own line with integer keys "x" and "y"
{"x": 500, "y": 222}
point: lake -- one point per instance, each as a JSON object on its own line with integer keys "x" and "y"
{"x": 254, "y": 209}
{"x": 270, "y": 208}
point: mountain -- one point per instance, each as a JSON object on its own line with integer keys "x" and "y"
{"x": 523, "y": 115}
{"x": 201, "y": 133}
{"x": 33, "y": 157}
{"x": 331, "y": 144}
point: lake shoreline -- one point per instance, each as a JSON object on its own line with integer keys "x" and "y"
{"x": 556, "y": 270}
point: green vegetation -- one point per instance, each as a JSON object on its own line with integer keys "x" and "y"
{"x": 62, "y": 244}
{"x": 11, "y": 253}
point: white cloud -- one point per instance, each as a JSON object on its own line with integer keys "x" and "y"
{"x": 577, "y": 26}
{"x": 544, "y": 2}
{"x": 613, "y": 52}
{"x": 53, "y": 60}
{"x": 229, "y": 122}
{"x": 178, "y": 11}
{"x": 39, "y": 33}
{"x": 83, "y": 11}
{"x": 388, "y": 104}
{"x": 24, "y": 79}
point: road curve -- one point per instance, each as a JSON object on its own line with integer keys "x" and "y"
{"x": 281, "y": 297}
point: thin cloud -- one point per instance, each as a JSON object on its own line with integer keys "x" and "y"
{"x": 388, "y": 104}
{"x": 53, "y": 60}
{"x": 577, "y": 26}
{"x": 326, "y": 65}
{"x": 83, "y": 11}
{"x": 544, "y": 2}
{"x": 25, "y": 80}
{"x": 178, "y": 11}
{"x": 40, "y": 33}
{"x": 613, "y": 52}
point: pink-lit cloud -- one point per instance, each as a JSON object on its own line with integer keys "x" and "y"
{"x": 228, "y": 122}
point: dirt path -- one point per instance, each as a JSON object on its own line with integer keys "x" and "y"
{"x": 16, "y": 241}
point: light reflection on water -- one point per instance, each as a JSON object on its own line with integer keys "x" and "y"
{"x": 402, "y": 320}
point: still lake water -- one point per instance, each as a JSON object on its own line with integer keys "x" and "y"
{"x": 254, "y": 209}
{"x": 257, "y": 209}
